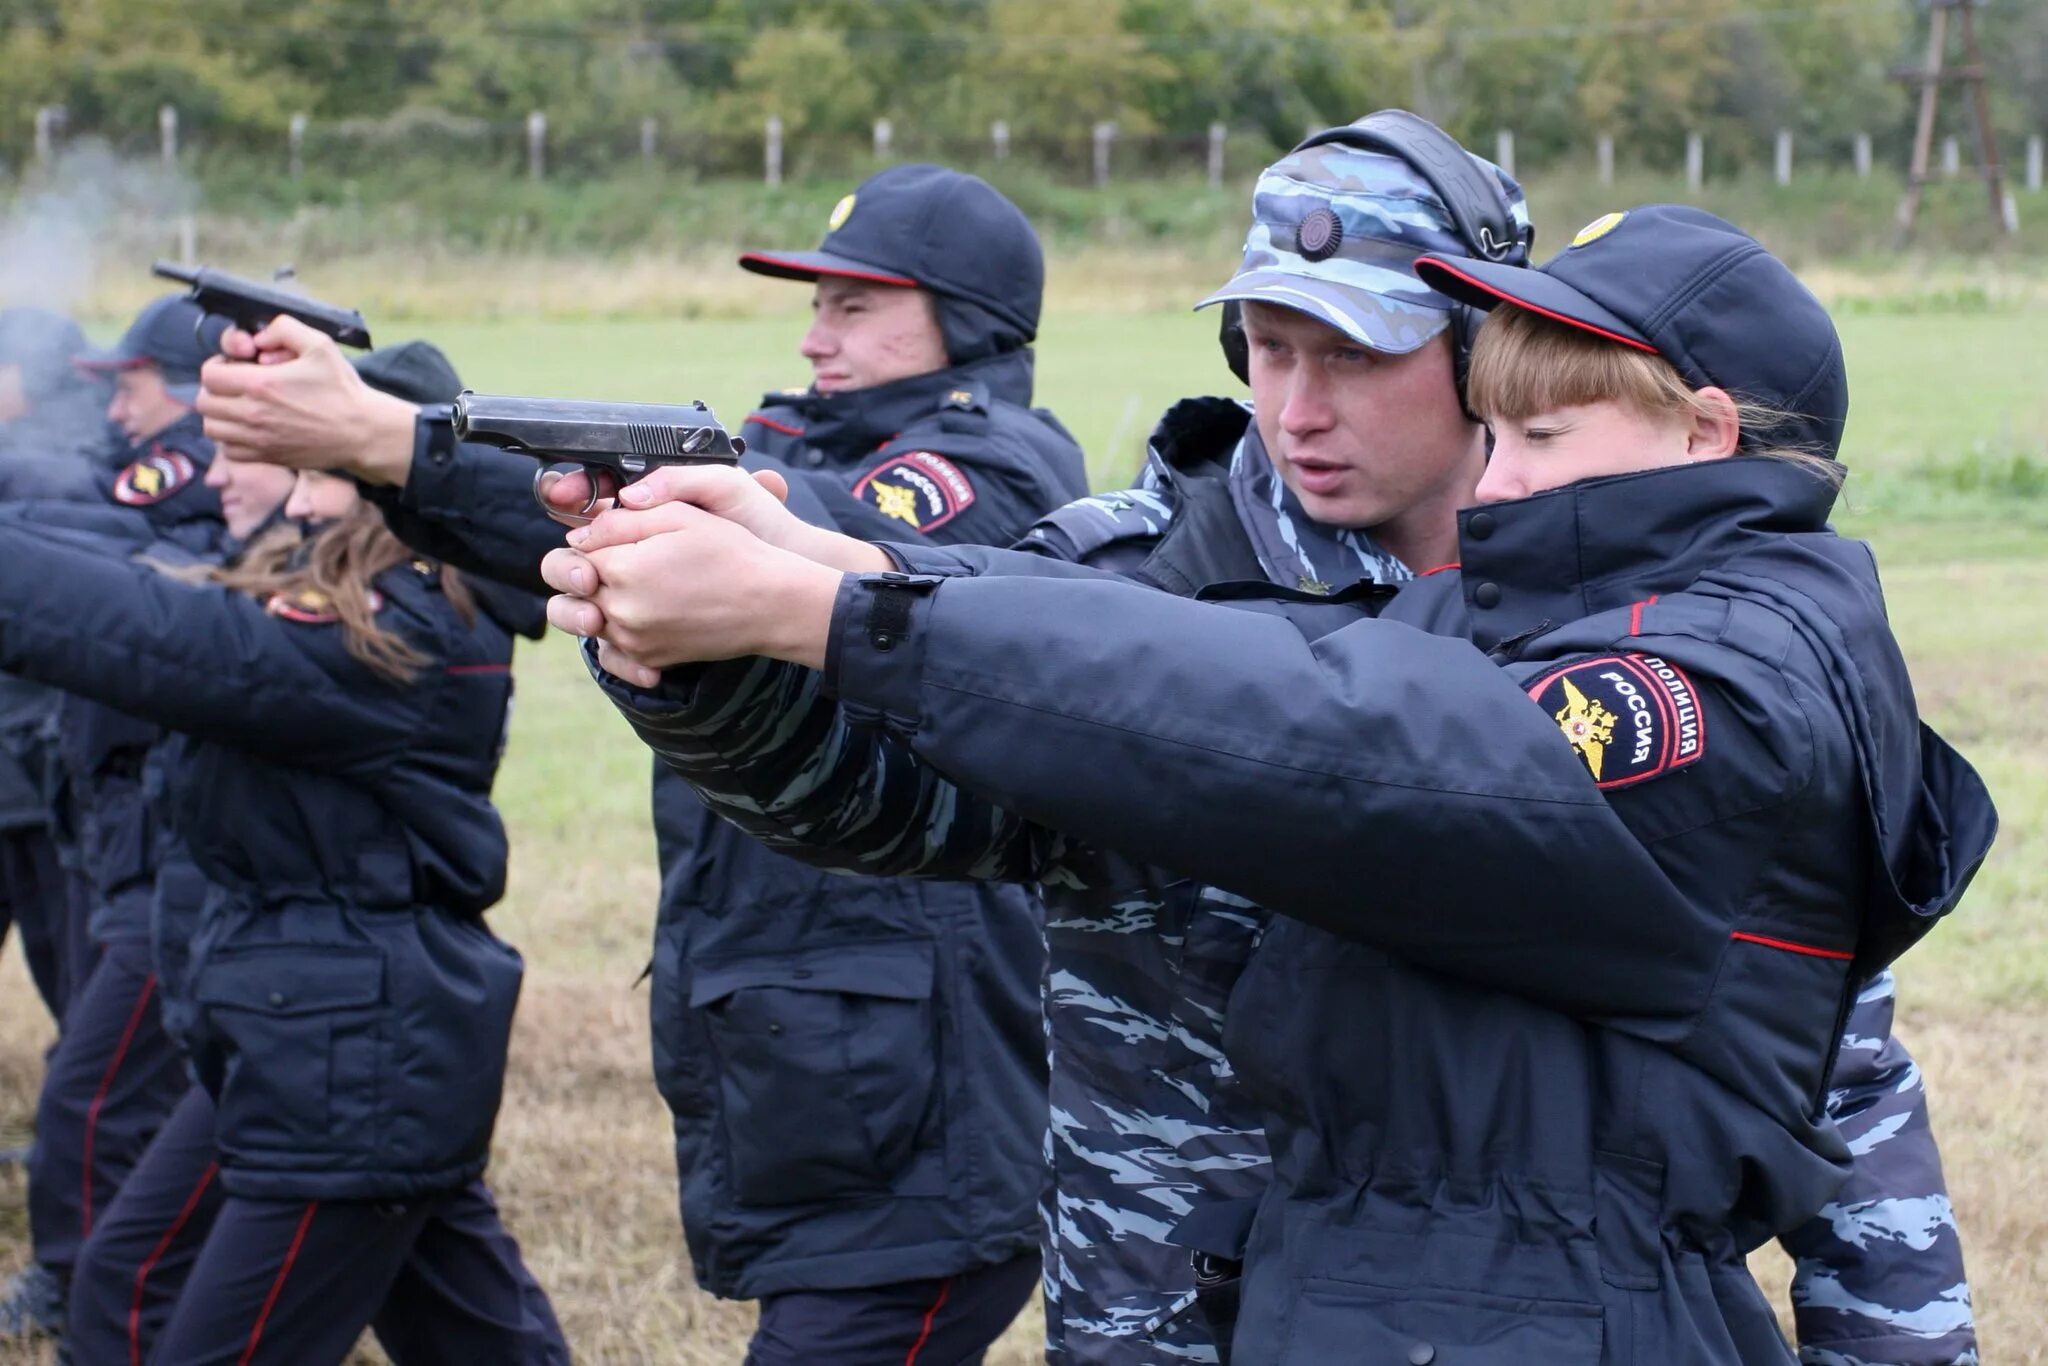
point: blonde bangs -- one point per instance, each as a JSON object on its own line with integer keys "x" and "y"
{"x": 1524, "y": 364}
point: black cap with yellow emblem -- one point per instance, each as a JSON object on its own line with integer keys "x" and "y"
{"x": 1680, "y": 283}
{"x": 925, "y": 226}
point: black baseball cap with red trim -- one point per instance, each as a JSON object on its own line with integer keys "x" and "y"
{"x": 165, "y": 334}
{"x": 1698, "y": 291}
{"x": 919, "y": 225}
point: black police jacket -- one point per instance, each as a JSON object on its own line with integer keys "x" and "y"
{"x": 855, "y": 1067}
{"x": 154, "y": 505}
{"x": 1570, "y": 926}
{"x": 48, "y": 456}
{"x": 349, "y": 1010}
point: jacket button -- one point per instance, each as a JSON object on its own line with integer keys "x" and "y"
{"x": 1486, "y": 595}
{"x": 775, "y": 1029}
{"x": 1479, "y": 526}
{"x": 1421, "y": 1354}
{"x": 277, "y": 998}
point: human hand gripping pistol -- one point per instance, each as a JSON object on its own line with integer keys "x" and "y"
{"x": 253, "y": 305}
{"x": 613, "y": 444}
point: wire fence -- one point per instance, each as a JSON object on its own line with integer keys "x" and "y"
{"x": 536, "y": 149}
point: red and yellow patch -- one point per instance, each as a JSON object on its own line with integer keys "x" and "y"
{"x": 922, "y": 490}
{"x": 154, "y": 477}
{"x": 1629, "y": 717}
{"x": 311, "y": 607}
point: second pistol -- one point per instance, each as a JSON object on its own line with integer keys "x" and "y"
{"x": 253, "y": 305}
{"x": 613, "y": 443}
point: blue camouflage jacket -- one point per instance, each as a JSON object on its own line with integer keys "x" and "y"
{"x": 854, "y": 1067}
{"x": 1123, "y": 1179}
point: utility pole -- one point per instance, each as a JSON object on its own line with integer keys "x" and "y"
{"x": 1935, "y": 73}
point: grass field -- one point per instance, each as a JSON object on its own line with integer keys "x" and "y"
{"x": 1949, "y": 445}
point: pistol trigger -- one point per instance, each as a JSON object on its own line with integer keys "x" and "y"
{"x": 547, "y": 476}
{"x": 605, "y": 483}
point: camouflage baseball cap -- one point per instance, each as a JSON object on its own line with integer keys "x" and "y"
{"x": 1336, "y": 230}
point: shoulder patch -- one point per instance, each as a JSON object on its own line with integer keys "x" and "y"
{"x": 1630, "y": 717}
{"x": 921, "y": 489}
{"x": 311, "y": 607}
{"x": 154, "y": 477}
{"x": 1102, "y": 519}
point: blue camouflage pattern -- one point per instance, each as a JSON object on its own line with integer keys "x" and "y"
{"x": 1878, "y": 1275}
{"x": 1387, "y": 215}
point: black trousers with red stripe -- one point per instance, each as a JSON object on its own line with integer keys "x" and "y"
{"x": 946, "y": 1322}
{"x": 178, "y": 1271}
{"x": 112, "y": 1080}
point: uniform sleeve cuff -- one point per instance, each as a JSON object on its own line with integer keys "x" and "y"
{"x": 874, "y": 657}
{"x": 926, "y": 558}
{"x": 433, "y": 457}
{"x": 685, "y": 693}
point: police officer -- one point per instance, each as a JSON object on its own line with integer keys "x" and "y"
{"x": 1215, "y": 511}
{"x": 462, "y": 1291}
{"x": 855, "y": 1068}
{"x": 340, "y": 707}
{"x": 115, "y": 1073}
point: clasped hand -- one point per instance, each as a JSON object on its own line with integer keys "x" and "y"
{"x": 698, "y": 563}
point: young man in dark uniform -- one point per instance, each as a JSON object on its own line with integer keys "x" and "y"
{"x": 855, "y": 1067}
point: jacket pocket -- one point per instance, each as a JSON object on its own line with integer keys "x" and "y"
{"x": 682, "y": 1063}
{"x": 1344, "y": 1322}
{"x": 289, "y": 1036}
{"x": 827, "y": 1068}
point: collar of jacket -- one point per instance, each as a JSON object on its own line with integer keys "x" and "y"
{"x": 1194, "y": 439}
{"x": 1599, "y": 544}
{"x": 231, "y": 547}
{"x": 852, "y": 424}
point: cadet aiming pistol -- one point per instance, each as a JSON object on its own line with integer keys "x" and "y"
{"x": 613, "y": 443}
{"x": 252, "y": 304}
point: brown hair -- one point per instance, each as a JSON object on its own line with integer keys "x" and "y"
{"x": 1524, "y": 363}
{"x": 331, "y": 572}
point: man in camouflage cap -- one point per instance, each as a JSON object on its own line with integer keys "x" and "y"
{"x": 1342, "y": 477}
{"x": 1347, "y": 470}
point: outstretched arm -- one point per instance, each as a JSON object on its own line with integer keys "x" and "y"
{"x": 195, "y": 658}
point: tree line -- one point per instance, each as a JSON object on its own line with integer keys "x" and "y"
{"x": 1559, "y": 73}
